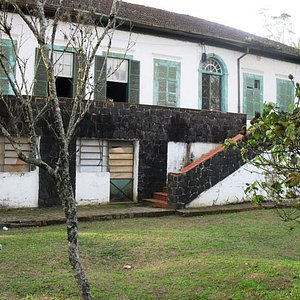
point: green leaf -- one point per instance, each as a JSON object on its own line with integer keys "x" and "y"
{"x": 258, "y": 199}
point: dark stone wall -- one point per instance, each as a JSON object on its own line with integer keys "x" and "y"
{"x": 154, "y": 127}
{"x": 185, "y": 187}
{"x": 47, "y": 189}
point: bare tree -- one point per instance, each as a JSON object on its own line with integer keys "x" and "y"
{"x": 278, "y": 28}
{"x": 85, "y": 32}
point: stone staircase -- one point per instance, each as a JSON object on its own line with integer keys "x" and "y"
{"x": 185, "y": 185}
{"x": 159, "y": 199}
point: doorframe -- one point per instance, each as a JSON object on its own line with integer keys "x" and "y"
{"x": 136, "y": 151}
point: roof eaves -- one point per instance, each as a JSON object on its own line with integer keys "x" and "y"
{"x": 250, "y": 44}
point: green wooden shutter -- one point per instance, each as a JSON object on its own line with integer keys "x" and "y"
{"x": 253, "y": 94}
{"x": 173, "y": 84}
{"x": 257, "y": 96}
{"x": 100, "y": 78}
{"x": 41, "y": 82}
{"x": 284, "y": 94}
{"x": 166, "y": 82}
{"x": 9, "y": 61}
{"x": 75, "y": 72}
{"x": 134, "y": 82}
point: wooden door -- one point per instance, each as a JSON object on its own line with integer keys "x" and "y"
{"x": 121, "y": 162}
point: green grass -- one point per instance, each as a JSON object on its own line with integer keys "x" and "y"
{"x": 249, "y": 255}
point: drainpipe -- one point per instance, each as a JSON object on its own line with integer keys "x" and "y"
{"x": 239, "y": 78}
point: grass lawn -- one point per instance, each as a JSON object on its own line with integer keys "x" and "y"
{"x": 249, "y": 255}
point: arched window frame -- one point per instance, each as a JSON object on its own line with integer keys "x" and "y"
{"x": 224, "y": 80}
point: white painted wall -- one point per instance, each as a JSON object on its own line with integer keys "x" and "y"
{"x": 19, "y": 189}
{"x": 92, "y": 188}
{"x": 229, "y": 190}
{"x": 176, "y": 156}
{"x": 198, "y": 149}
{"x": 181, "y": 154}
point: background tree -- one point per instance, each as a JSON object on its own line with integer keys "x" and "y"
{"x": 296, "y": 44}
{"x": 278, "y": 28}
{"x": 84, "y": 31}
{"x": 273, "y": 146}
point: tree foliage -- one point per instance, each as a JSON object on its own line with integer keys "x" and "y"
{"x": 272, "y": 144}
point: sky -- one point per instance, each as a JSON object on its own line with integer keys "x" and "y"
{"x": 243, "y": 15}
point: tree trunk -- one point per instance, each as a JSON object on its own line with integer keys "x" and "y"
{"x": 67, "y": 197}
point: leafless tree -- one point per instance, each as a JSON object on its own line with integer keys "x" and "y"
{"x": 85, "y": 32}
{"x": 278, "y": 28}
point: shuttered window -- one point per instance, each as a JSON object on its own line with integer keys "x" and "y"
{"x": 253, "y": 94}
{"x": 166, "y": 82}
{"x": 133, "y": 79}
{"x": 65, "y": 70}
{"x": 9, "y": 61}
{"x": 284, "y": 94}
{"x": 9, "y": 161}
{"x": 41, "y": 82}
{"x": 134, "y": 82}
{"x": 93, "y": 155}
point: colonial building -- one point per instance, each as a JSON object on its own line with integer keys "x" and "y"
{"x": 184, "y": 85}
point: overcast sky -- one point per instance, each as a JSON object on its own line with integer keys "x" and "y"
{"x": 243, "y": 15}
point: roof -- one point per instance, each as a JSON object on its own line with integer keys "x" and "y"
{"x": 162, "y": 22}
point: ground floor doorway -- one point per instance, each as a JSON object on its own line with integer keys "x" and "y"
{"x": 121, "y": 168}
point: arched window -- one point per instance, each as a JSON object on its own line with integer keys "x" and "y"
{"x": 213, "y": 75}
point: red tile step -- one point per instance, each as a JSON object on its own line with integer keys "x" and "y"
{"x": 156, "y": 203}
{"x": 160, "y": 199}
{"x": 161, "y": 196}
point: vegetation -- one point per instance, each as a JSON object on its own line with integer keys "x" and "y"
{"x": 278, "y": 28}
{"x": 249, "y": 255}
{"x": 273, "y": 146}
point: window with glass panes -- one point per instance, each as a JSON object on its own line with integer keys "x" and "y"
{"x": 93, "y": 155}
{"x": 211, "y": 85}
{"x": 63, "y": 64}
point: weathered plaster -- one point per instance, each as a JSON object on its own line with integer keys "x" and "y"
{"x": 229, "y": 190}
{"x": 92, "y": 188}
{"x": 19, "y": 189}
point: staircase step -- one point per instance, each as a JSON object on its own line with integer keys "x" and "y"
{"x": 161, "y": 196}
{"x": 156, "y": 203}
